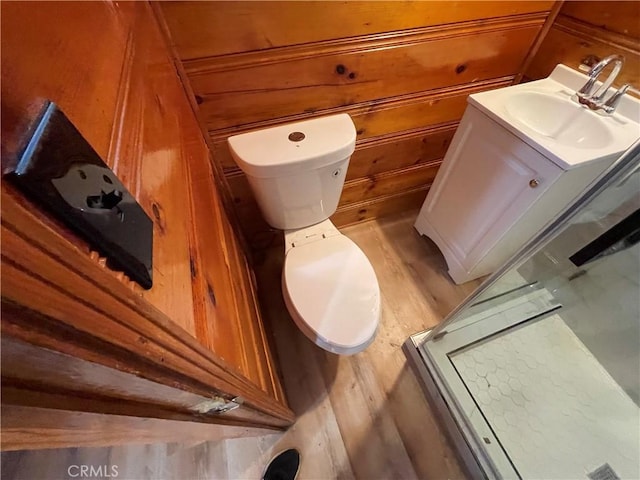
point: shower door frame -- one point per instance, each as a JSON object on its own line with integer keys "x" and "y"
{"x": 471, "y": 447}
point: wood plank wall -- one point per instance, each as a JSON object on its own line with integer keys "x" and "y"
{"x": 109, "y": 68}
{"x": 588, "y": 28}
{"x": 402, "y": 70}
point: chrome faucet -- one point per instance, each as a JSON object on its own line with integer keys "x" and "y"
{"x": 610, "y": 106}
{"x": 595, "y": 100}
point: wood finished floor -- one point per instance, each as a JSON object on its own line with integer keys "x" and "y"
{"x": 361, "y": 417}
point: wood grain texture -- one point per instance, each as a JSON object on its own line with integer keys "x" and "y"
{"x": 583, "y": 29}
{"x": 56, "y": 292}
{"x": 116, "y": 336}
{"x": 387, "y": 183}
{"x": 542, "y": 34}
{"x": 401, "y": 116}
{"x": 613, "y": 16}
{"x": 311, "y": 82}
{"x": 87, "y": 97}
{"x": 416, "y": 157}
{"x": 371, "y": 178}
{"x": 36, "y": 428}
{"x": 385, "y": 153}
{"x": 388, "y": 205}
{"x": 206, "y": 29}
{"x": 363, "y": 416}
{"x": 227, "y": 319}
{"x": 397, "y": 68}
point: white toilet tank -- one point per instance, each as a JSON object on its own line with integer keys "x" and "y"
{"x": 297, "y": 171}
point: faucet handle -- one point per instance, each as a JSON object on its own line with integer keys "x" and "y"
{"x": 612, "y": 103}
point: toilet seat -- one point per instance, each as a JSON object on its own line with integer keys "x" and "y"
{"x": 332, "y": 293}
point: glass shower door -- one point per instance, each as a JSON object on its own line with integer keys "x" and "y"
{"x": 538, "y": 375}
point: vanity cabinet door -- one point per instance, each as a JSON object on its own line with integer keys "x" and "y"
{"x": 488, "y": 179}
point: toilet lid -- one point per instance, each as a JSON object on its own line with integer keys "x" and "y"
{"x": 334, "y": 290}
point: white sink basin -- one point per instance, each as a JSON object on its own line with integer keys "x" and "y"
{"x": 559, "y": 118}
{"x": 545, "y": 115}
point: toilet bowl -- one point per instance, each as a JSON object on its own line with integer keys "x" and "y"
{"x": 296, "y": 172}
{"x": 330, "y": 289}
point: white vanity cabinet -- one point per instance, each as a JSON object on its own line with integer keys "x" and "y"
{"x": 493, "y": 193}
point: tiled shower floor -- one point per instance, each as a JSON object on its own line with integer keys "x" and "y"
{"x": 556, "y": 411}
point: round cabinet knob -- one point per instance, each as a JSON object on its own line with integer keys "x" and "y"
{"x": 533, "y": 183}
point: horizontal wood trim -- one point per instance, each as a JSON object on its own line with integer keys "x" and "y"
{"x": 410, "y": 155}
{"x": 548, "y": 23}
{"x": 386, "y": 183}
{"x": 261, "y": 236}
{"x": 108, "y": 362}
{"x": 28, "y": 428}
{"x": 379, "y": 167}
{"x": 379, "y": 207}
{"x": 385, "y": 153}
{"x": 15, "y": 392}
{"x": 359, "y": 44}
{"x": 569, "y": 46}
{"x": 205, "y": 29}
{"x": 110, "y": 313}
{"x": 319, "y": 82}
{"x": 384, "y": 118}
{"x": 588, "y": 30}
{"x": 612, "y": 16}
{"x": 367, "y": 190}
{"x": 35, "y": 365}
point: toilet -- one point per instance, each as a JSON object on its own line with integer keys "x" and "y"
{"x": 296, "y": 172}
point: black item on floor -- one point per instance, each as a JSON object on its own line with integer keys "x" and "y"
{"x": 284, "y": 466}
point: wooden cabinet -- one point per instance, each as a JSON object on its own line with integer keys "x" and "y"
{"x": 492, "y": 194}
{"x": 198, "y": 330}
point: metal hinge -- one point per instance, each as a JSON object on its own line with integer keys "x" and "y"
{"x": 218, "y": 405}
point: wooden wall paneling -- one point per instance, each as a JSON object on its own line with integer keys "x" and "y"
{"x": 28, "y": 379}
{"x": 370, "y": 173}
{"x": 379, "y": 207}
{"x": 26, "y": 428}
{"x": 551, "y": 18}
{"x": 612, "y": 16}
{"x": 245, "y": 344}
{"x": 573, "y": 37}
{"x": 126, "y": 104}
{"x": 381, "y": 118}
{"x": 261, "y": 236}
{"x": 29, "y": 364}
{"x": 419, "y": 111}
{"x": 244, "y": 340}
{"x": 228, "y": 322}
{"x": 88, "y": 97}
{"x": 254, "y": 341}
{"x": 386, "y": 183}
{"x": 164, "y": 183}
{"x": 235, "y": 95}
{"x": 402, "y": 71}
{"x": 219, "y": 178}
{"x": 132, "y": 328}
{"x": 206, "y": 29}
{"x": 215, "y": 307}
{"x": 385, "y": 153}
{"x": 216, "y": 312}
